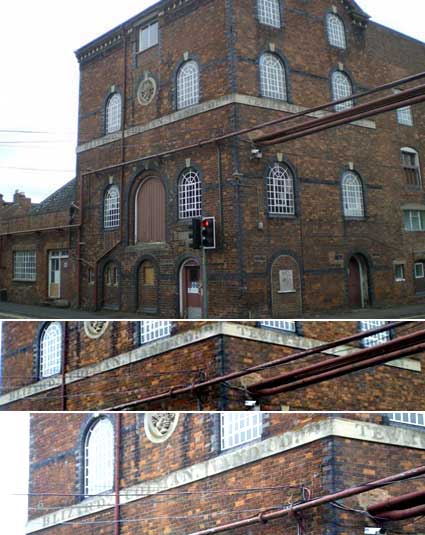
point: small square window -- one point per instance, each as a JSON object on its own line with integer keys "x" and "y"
{"x": 419, "y": 270}
{"x": 238, "y": 428}
{"x": 148, "y": 37}
{"x": 399, "y": 272}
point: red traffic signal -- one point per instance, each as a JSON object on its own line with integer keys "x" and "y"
{"x": 208, "y": 232}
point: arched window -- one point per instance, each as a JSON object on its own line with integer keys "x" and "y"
{"x": 280, "y": 190}
{"x": 341, "y": 88}
{"x": 99, "y": 458}
{"x": 273, "y": 77}
{"x": 269, "y": 12}
{"x": 188, "y": 85}
{"x": 150, "y": 207}
{"x": 113, "y": 113}
{"x": 352, "y": 193}
{"x": 111, "y": 208}
{"x": 336, "y": 31}
{"x": 411, "y": 166}
{"x": 190, "y": 194}
{"x": 50, "y": 350}
{"x": 290, "y": 326}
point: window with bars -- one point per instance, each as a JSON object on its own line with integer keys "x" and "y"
{"x": 410, "y": 164}
{"x": 25, "y": 266}
{"x": 240, "y": 428}
{"x": 190, "y": 194}
{"x": 352, "y": 195}
{"x": 290, "y": 326}
{"x": 99, "y": 458}
{"x": 375, "y": 339}
{"x": 111, "y": 209}
{"x": 113, "y": 113}
{"x": 414, "y": 220}
{"x": 188, "y": 85}
{"x": 273, "y": 77}
{"x": 50, "y": 350}
{"x": 336, "y": 31}
{"x": 148, "y": 36}
{"x": 411, "y": 418}
{"x": 405, "y": 116}
{"x": 151, "y": 330}
{"x": 341, "y": 88}
{"x": 269, "y": 12}
{"x": 280, "y": 190}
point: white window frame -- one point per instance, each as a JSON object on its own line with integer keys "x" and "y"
{"x": 416, "y": 168}
{"x": 25, "y": 266}
{"x": 111, "y": 208}
{"x": 151, "y": 330}
{"x": 400, "y": 277}
{"x": 421, "y": 273}
{"x": 99, "y": 458}
{"x": 375, "y": 339}
{"x": 188, "y": 85}
{"x": 238, "y": 428}
{"x": 280, "y": 191}
{"x": 50, "y": 350}
{"x": 413, "y": 217}
{"x": 409, "y": 418}
{"x": 335, "y": 27}
{"x": 273, "y": 77}
{"x": 352, "y": 195}
{"x": 288, "y": 326}
{"x": 113, "y": 113}
{"x": 405, "y": 116}
{"x": 190, "y": 194}
{"x": 269, "y": 13}
{"x": 111, "y": 275}
{"x": 152, "y": 33}
{"x": 342, "y": 87}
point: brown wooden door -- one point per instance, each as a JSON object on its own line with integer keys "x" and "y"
{"x": 67, "y": 290}
{"x": 419, "y": 276}
{"x": 354, "y": 284}
{"x": 192, "y": 291}
{"x": 150, "y": 208}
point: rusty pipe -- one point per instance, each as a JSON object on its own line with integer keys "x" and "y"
{"x": 404, "y": 514}
{"x": 117, "y": 475}
{"x": 399, "y": 502}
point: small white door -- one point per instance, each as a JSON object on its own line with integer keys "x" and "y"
{"x": 54, "y": 278}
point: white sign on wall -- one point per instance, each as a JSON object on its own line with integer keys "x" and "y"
{"x": 286, "y": 281}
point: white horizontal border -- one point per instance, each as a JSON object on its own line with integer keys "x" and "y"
{"x": 329, "y": 427}
{"x": 164, "y": 345}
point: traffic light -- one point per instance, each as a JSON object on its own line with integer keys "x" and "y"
{"x": 195, "y": 235}
{"x": 208, "y": 232}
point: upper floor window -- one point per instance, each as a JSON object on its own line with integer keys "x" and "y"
{"x": 50, "y": 350}
{"x": 190, "y": 194}
{"x": 280, "y": 190}
{"x": 99, "y": 458}
{"x": 151, "y": 330}
{"x": 111, "y": 208}
{"x": 405, "y": 116}
{"x": 269, "y": 12}
{"x": 341, "y": 88}
{"x": 352, "y": 193}
{"x": 336, "y": 31}
{"x": 375, "y": 339}
{"x": 148, "y": 36}
{"x": 290, "y": 326}
{"x": 188, "y": 85}
{"x": 414, "y": 220}
{"x": 113, "y": 113}
{"x": 239, "y": 428}
{"x": 412, "y": 418}
{"x": 273, "y": 77}
{"x": 25, "y": 266}
{"x": 410, "y": 164}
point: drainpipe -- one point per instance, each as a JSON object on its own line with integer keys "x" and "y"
{"x": 117, "y": 472}
{"x": 79, "y": 237}
{"x": 400, "y": 502}
{"x": 65, "y": 342}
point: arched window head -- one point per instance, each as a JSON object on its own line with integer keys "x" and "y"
{"x": 99, "y": 458}
{"x": 188, "y": 85}
{"x": 269, "y": 12}
{"x": 50, "y": 350}
{"x": 111, "y": 208}
{"x": 280, "y": 190}
{"x": 336, "y": 31}
{"x": 352, "y": 193}
{"x": 411, "y": 166}
{"x": 341, "y": 88}
{"x": 190, "y": 194}
{"x": 113, "y": 113}
{"x": 273, "y": 77}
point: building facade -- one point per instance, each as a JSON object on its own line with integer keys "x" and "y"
{"x": 329, "y": 221}
{"x": 167, "y": 473}
{"x": 165, "y": 365}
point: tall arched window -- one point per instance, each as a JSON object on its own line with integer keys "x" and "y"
{"x": 50, "y": 350}
{"x": 111, "y": 208}
{"x": 150, "y": 212}
{"x": 352, "y": 193}
{"x": 99, "y": 458}
{"x": 280, "y": 190}
{"x": 113, "y": 113}
{"x": 273, "y": 77}
{"x": 336, "y": 31}
{"x": 190, "y": 194}
{"x": 341, "y": 88}
{"x": 411, "y": 166}
{"x": 269, "y": 12}
{"x": 188, "y": 85}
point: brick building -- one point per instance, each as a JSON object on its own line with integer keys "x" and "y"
{"x": 159, "y": 473}
{"x": 328, "y": 221}
{"x": 143, "y": 365}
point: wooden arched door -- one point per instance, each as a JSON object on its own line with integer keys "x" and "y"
{"x": 150, "y": 212}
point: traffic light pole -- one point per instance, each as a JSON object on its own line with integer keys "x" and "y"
{"x": 204, "y": 284}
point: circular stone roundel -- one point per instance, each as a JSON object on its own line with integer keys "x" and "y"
{"x": 159, "y": 426}
{"x": 146, "y": 91}
{"x": 95, "y": 329}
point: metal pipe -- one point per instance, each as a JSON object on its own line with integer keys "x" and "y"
{"x": 268, "y": 515}
{"x": 43, "y": 229}
{"x": 65, "y": 342}
{"x": 79, "y": 238}
{"x": 283, "y": 360}
{"x": 117, "y": 475}
{"x": 404, "y": 514}
{"x": 399, "y": 502}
